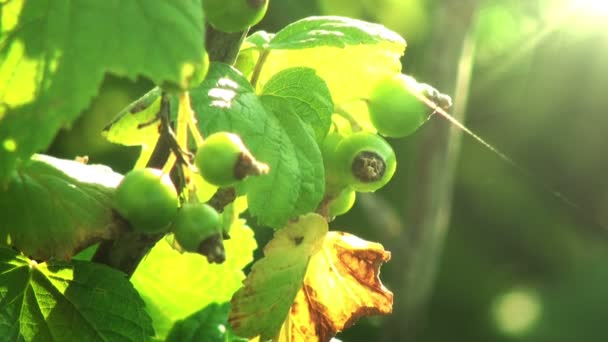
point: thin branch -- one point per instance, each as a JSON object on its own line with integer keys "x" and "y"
{"x": 257, "y": 70}
{"x": 126, "y": 252}
{"x": 223, "y": 47}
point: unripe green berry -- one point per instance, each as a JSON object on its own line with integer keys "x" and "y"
{"x": 147, "y": 199}
{"x": 333, "y": 179}
{"x": 234, "y": 15}
{"x": 194, "y": 223}
{"x": 222, "y": 160}
{"x": 366, "y": 160}
{"x": 394, "y": 109}
{"x": 192, "y": 76}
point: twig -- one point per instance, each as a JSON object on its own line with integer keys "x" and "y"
{"x": 257, "y": 70}
{"x": 126, "y": 252}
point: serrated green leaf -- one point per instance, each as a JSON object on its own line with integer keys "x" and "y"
{"x": 274, "y": 280}
{"x": 209, "y": 324}
{"x": 225, "y": 101}
{"x": 349, "y": 55}
{"x": 311, "y": 185}
{"x": 52, "y": 208}
{"x": 175, "y": 285}
{"x": 134, "y": 125}
{"x": 54, "y": 53}
{"x": 307, "y": 94}
{"x": 331, "y": 31}
{"x": 137, "y": 125}
{"x": 64, "y": 302}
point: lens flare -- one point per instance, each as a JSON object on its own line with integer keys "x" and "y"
{"x": 593, "y": 8}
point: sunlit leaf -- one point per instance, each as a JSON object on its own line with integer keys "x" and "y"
{"x": 53, "y": 207}
{"x": 200, "y": 283}
{"x": 274, "y": 280}
{"x": 310, "y": 186}
{"x": 349, "y": 55}
{"x": 135, "y": 125}
{"x": 138, "y": 124}
{"x": 75, "y": 301}
{"x": 54, "y": 54}
{"x": 308, "y": 95}
{"x": 275, "y": 135}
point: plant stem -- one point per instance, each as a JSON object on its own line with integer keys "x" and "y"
{"x": 345, "y": 114}
{"x": 430, "y": 190}
{"x": 257, "y": 70}
{"x": 223, "y": 47}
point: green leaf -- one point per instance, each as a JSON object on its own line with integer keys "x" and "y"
{"x": 54, "y": 54}
{"x": 307, "y": 94}
{"x": 209, "y": 324}
{"x": 331, "y": 31}
{"x": 52, "y": 208}
{"x": 274, "y": 280}
{"x": 311, "y": 187}
{"x": 225, "y": 101}
{"x": 349, "y": 55}
{"x": 63, "y": 302}
{"x": 137, "y": 125}
{"x": 134, "y": 125}
{"x": 175, "y": 285}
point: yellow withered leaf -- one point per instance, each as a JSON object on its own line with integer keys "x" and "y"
{"x": 261, "y": 305}
{"x": 310, "y": 284}
{"x": 341, "y": 285}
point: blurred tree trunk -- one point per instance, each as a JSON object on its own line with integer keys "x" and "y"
{"x": 448, "y": 68}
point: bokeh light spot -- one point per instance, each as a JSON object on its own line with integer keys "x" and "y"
{"x": 9, "y": 145}
{"x": 515, "y": 312}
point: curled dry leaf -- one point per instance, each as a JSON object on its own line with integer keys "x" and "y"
{"x": 310, "y": 284}
{"x": 341, "y": 285}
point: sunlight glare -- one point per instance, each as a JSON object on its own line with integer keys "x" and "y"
{"x": 594, "y": 8}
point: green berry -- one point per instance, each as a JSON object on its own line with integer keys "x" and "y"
{"x": 333, "y": 178}
{"x": 234, "y": 15}
{"x": 147, "y": 199}
{"x": 394, "y": 109}
{"x": 195, "y": 223}
{"x": 223, "y": 160}
{"x": 367, "y": 162}
{"x": 342, "y": 203}
{"x": 191, "y": 76}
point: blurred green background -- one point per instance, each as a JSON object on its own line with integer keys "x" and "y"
{"x": 514, "y": 262}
